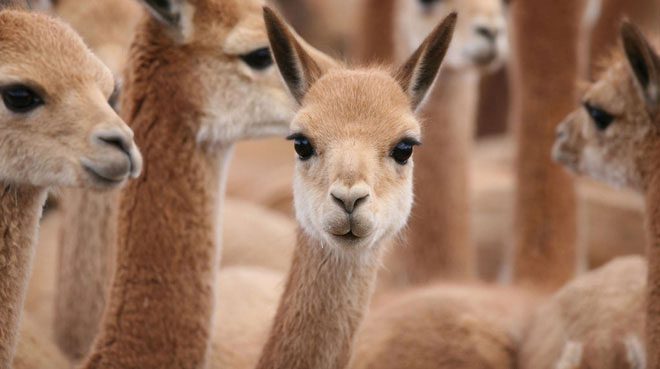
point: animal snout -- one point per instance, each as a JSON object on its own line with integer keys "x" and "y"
{"x": 351, "y": 198}
{"x": 121, "y": 141}
{"x": 115, "y": 139}
{"x": 488, "y": 32}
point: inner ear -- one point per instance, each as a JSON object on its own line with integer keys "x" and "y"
{"x": 298, "y": 67}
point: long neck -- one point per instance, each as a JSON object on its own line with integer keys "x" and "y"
{"x": 375, "y": 41}
{"x": 324, "y": 301}
{"x": 438, "y": 237}
{"x": 160, "y": 306}
{"x": 545, "y": 212}
{"x": 20, "y": 210}
{"x": 653, "y": 255}
{"x": 85, "y": 264}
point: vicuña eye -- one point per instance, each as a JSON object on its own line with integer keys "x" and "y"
{"x": 303, "y": 147}
{"x": 601, "y": 118}
{"x": 402, "y": 152}
{"x": 21, "y": 99}
{"x": 258, "y": 59}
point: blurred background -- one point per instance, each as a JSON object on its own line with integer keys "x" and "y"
{"x": 481, "y": 135}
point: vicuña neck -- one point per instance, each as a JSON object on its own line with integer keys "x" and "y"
{"x": 160, "y": 306}
{"x": 439, "y": 243}
{"x": 545, "y": 239}
{"x": 20, "y": 210}
{"x": 324, "y": 301}
{"x": 653, "y": 255}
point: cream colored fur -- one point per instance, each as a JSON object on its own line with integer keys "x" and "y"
{"x": 70, "y": 137}
{"x": 352, "y": 189}
{"x": 444, "y": 326}
{"x": 612, "y": 137}
{"x": 249, "y": 104}
{"x": 107, "y": 26}
{"x": 596, "y": 321}
{"x": 254, "y": 236}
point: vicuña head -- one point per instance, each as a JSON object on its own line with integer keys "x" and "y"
{"x": 56, "y": 126}
{"x": 223, "y": 47}
{"x": 354, "y": 134}
{"x": 610, "y": 136}
{"x": 480, "y": 37}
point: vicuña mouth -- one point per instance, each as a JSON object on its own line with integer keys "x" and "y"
{"x": 350, "y": 236}
{"x": 101, "y": 179}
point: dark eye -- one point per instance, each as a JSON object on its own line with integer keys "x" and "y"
{"x": 402, "y": 152}
{"x": 303, "y": 147}
{"x": 259, "y": 59}
{"x": 601, "y": 118}
{"x": 21, "y": 99}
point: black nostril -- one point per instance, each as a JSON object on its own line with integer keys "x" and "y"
{"x": 359, "y": 201}
{"x": 116, "y": 141}
{"x": 486, "y": 32}
{"x": 339, "y": 202}
{"x": 428, "y": 2}
{"x": 349, "y": 204}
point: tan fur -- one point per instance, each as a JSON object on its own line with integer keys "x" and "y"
{"x": 256, "y": 236}
{"x": 189, "y": 97}
{"x": 36, "y": 350}
{"x": 80, "y": 303}
{"x": 107, "y": 26}
{"x": 488, "y": 338}
{"x": 444, "y": 326}
{"x": 246, "y": 303}
{"x": 59, "y": 143}
{"x": 349, "y": 194}
{"x": 89, "y": 224}
{"x": 623, "y": 153}
{"x": 600, "y": 311}
{"x": 605, "y": 32}
{"x": 545, "y": 40}
{"x": 438, "y": 243}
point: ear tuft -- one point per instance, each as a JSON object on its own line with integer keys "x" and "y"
{"x": 297, "y": 67}
{"x": 644, "y": 63}
{"x": 419, "y": 72}
{"x": 167, "y": 12}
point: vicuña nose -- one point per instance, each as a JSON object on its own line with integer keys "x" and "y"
{"x": 490, "y": 33}
{"x": 116, "y": 139}
{"x": 350, "y": 198}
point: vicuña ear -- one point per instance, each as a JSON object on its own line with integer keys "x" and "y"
{"x": 418, "y": 73}
{"x": 644, "y": 63}
{"x": 298, "y": 68}
{"x": 168, "y": 12}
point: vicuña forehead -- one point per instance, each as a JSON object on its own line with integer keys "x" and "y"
{"x": 357, "y": 92}
{"x": 612, "y": 87}
{"x": 23, "y": 38}
{"x": 358, "y": 103}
